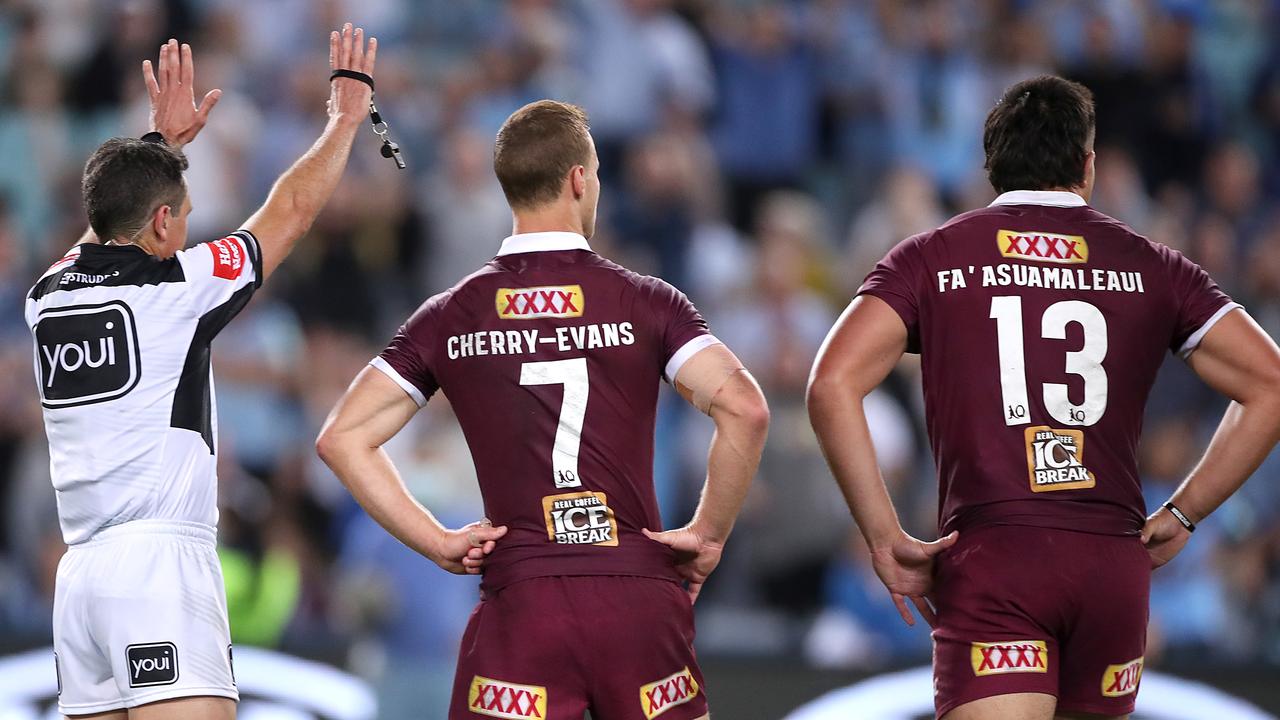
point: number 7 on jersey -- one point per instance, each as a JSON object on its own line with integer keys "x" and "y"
{"x": 572, "y": 374}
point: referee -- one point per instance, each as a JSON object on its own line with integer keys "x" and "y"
{"x": 122, "y": 327}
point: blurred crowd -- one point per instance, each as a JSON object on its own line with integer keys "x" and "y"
{"x": 759, "y": 154}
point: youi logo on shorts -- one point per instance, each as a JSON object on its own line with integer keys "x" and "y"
{"x": 1011, "y": 656}
{"x": 1055, "y": 459}
{"x": 152, "y": 664}
{"x": 550, "y": 301}
{"x": 1119, "y": 680}
{"x": 86, "y": 354}
{"x": 671, "y": 691}
{"x": 1042, "y": 246}
{"x": 499, "y": 699}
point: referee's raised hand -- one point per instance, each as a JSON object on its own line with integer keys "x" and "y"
{"x": 174, "y": 113}
{"x": 348, "y": 50}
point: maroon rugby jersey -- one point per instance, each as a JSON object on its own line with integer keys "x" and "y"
{"x": 551, "y": 357}
{"x": 1041, "y": 324}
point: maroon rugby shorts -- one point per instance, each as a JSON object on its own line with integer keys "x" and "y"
{"x": 554, "y": 647}
{"x": 1033, "y": 610}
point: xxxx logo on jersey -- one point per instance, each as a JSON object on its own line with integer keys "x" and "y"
{"x": 550, "y": 301}
{"x": 1120, "y": 680}
{"x": 1055, "y": 459}
{"x": 496, "y": 698}
{"x": 671, "y": 691}
{"x": 1042, "y": 246}
{"x": 1013, "y": 656}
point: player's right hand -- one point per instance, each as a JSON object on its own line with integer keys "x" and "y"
{"x": 347, "y": 51}
{"x": 906, "y": 569}
{"x": 463, "y": 551}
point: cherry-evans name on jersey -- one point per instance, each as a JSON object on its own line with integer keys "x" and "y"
{"x": 528, "y": 342}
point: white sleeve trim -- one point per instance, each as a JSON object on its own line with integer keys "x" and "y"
{"x": 405, "y": 385}
{"x": 1193, "y": 342}
{"x": 686, "y": 351}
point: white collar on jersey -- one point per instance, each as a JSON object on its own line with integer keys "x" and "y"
{"x": 1054, "y": 198}
{"x": 542, "y": 242}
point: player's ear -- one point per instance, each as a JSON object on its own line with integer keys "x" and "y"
{"x": 578, "y": 181}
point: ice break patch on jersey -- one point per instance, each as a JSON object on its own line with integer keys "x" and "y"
{"x": 1042, "y": 246}
{"x": 548, "y": 301}
{"x": 581, "y": 518}
{"x": 1055, "y": 459}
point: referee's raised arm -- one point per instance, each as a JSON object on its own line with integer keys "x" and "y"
{"x": 300, "y": 193}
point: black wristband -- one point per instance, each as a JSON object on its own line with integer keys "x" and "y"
{"x": 154, "y": 137}
{"x": 353, "y": 75}
{"x": 1180, "y": 516}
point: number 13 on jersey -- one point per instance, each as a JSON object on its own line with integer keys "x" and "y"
{"x": 1086, "y": 362}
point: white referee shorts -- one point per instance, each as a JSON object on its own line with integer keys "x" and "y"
{"x": 140, "y": 615}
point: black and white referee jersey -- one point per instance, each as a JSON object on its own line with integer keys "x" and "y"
{"x": 122, "y": 361}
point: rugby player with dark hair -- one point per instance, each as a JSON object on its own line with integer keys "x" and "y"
{"x": 1040, "y": 324}
{"x": 122, "y": 326}
{"x": 551, "y": 357}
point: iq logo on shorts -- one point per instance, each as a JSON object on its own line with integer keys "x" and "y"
{"x": 152, "y": 664}
{"x": 86, "y": 354}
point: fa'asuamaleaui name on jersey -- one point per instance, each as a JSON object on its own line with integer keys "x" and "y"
{"x": 551, "y": 357}
{"x": 1064, "y": 316}
{"x": 122, "y": 365}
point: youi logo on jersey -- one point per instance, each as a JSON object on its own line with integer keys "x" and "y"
{"x": 1042, "y": 246}
{"x": 1055, "y": 459}
{"x": 86, "y": 354}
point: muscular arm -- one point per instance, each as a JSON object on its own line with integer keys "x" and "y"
{"x": 714, "y": 381}
{"x": 863, "y": 347}
{"x": 858, "y": 354}
{"x": 371, "y": 412}
{"x": 717, "y": 384}
{"x": 1238, "y": 359}
{"x": 299, "y": 194}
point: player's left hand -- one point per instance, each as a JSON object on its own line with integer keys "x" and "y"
{"x": 696, "y": 556}
{"x": 173, "y": 102}
{"x": 1163, "y": 536}
{"x": 906, "y": 569}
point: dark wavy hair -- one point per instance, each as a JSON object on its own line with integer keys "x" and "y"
{"x": 1037, "y": 135}
{"x": 125, "y": 180}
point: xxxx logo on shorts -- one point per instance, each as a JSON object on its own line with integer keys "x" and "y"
{"x": 550, "y": 301}
{"x": 1120, "y": 680}
{"x": 499, "y": 699}
{"x": 1012, "y": 656}
{"x": 1055, "y": 459}
{"x": 671, "y": 691}
{"x": 1042, "y": 246}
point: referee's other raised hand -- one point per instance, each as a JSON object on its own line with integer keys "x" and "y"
{"x": 348, "y": 50}
{"x": 174, "y": 113}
